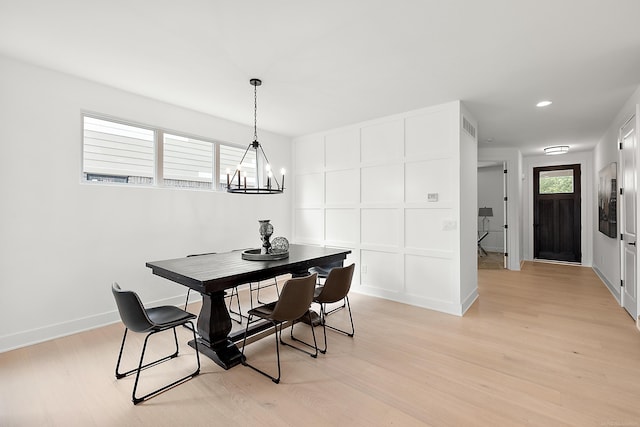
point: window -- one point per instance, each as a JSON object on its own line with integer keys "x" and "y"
{"x": 556, "y": 182}
{"x": 115, "y": 152}
{"x": 187, "y": 162}
{"x": 229, "y": 157}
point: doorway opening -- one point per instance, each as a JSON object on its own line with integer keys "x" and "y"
{"x": 492, "y": 218}
{"x": 556, "y": 213}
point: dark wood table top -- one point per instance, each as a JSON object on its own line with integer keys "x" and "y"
{"x": 220, "y": 271}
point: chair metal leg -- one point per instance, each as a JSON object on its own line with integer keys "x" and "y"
{"x": 234, "y": 290}
{"x": 148, "y": 365}
{"x": 124, "y": 337}
{"x": 323, "y": 323}
{"x": 323, "y": 315}
{"x": 244, "y": 359}
{"x": 142, "y": 366}
{"x": 275, "y": 283}
{"x": 315, "y": 343}
{"x": 344, "y": 304}
{"x": 186, "y": 301}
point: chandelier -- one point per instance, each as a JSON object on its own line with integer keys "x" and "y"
{"x": 272, "y": 186}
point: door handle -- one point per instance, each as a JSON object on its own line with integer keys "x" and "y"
{"x": 632, "y": 243}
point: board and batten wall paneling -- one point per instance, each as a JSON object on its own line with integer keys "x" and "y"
{"x": 309, "y": 155}
{"x": 309, "y": 225}
{"x": 342, "y": 226}
{"x": 310, "y": 189}
{"x": 382, "y": 184}
{"x": 342, "y": 150}
{"x": 381, "y": 227}
{"x": 382, "y": 271}
{"x": 343, "y": 187}
{"x": 383, "y": 142}
{"x": 430, "y": 134}
{"x": 426, "y": 278}
{"x": 352, "y": 258}
{"x": 377, "y": 179}
{"x": 425, "y": 231}
{"x": 430, "y": 176}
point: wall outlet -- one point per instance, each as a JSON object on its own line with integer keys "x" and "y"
{"x": 432, "y": 197}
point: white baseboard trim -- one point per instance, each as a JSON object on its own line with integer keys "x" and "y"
{"x": 418, "y": 301}
{"x": 62, "y": 329}
{"x": 615, "y": 290}
{"x": 469, "y": 300}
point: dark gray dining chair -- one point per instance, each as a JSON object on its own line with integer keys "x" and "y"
{"x": 323, "y": 272}
{"x": 151, "y": 321}
{"x": 334, "y": 289}
{"x": 294, "y": 302}
{"x": 255, "y": 287}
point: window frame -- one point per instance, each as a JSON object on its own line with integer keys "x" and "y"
{"x": 120, "y": 122}
{"x": 551, "y": 174}
{"x": 158, "y": 154}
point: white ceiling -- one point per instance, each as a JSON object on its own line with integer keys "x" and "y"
{"x": 330, "y": 63}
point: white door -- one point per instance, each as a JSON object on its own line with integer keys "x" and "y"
{"x": 628, "y": 230}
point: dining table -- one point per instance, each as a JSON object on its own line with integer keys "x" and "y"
{"x": 212, "y": 274}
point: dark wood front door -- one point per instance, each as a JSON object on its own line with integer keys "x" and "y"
{"x": 556, "y": 213}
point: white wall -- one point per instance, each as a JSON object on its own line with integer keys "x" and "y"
{"x": 365, "y": 187}
{"x": 491, "y": 195}
{"x": 63, "y": 242}
{"x": 513, "y": 159}
{"x": 468, "y": 199}
{"x": 606, "y": 251}
{"x": 587, "y": 201}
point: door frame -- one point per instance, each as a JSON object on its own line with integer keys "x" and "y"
{"x": 514, "y": 162}
{"x": 621, "y": 217}
{"x": 587, "y": 206}
{"x": 576, "y": 216}
{"x": 504, "y": 206}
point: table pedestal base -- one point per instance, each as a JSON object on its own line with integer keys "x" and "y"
{"x": 225, "y": 356}
{"x": 315, "y": 318}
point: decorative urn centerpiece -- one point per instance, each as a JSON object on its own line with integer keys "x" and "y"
{"x": 265, "y": 230}
{"x": 268, "y": 252}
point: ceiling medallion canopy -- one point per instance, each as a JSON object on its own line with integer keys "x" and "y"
{"x": 272, "y": 185}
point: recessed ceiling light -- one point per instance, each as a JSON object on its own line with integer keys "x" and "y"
{"x": 557, "y": 149}
{"x": 543, "y": 103}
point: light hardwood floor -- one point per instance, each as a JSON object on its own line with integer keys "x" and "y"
{"x": 547, "y": 346}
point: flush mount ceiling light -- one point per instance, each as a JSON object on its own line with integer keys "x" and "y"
{"x": 556, "y": 149}
{"x": 544, "y": 103}
{"x": 272, "y": 185}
